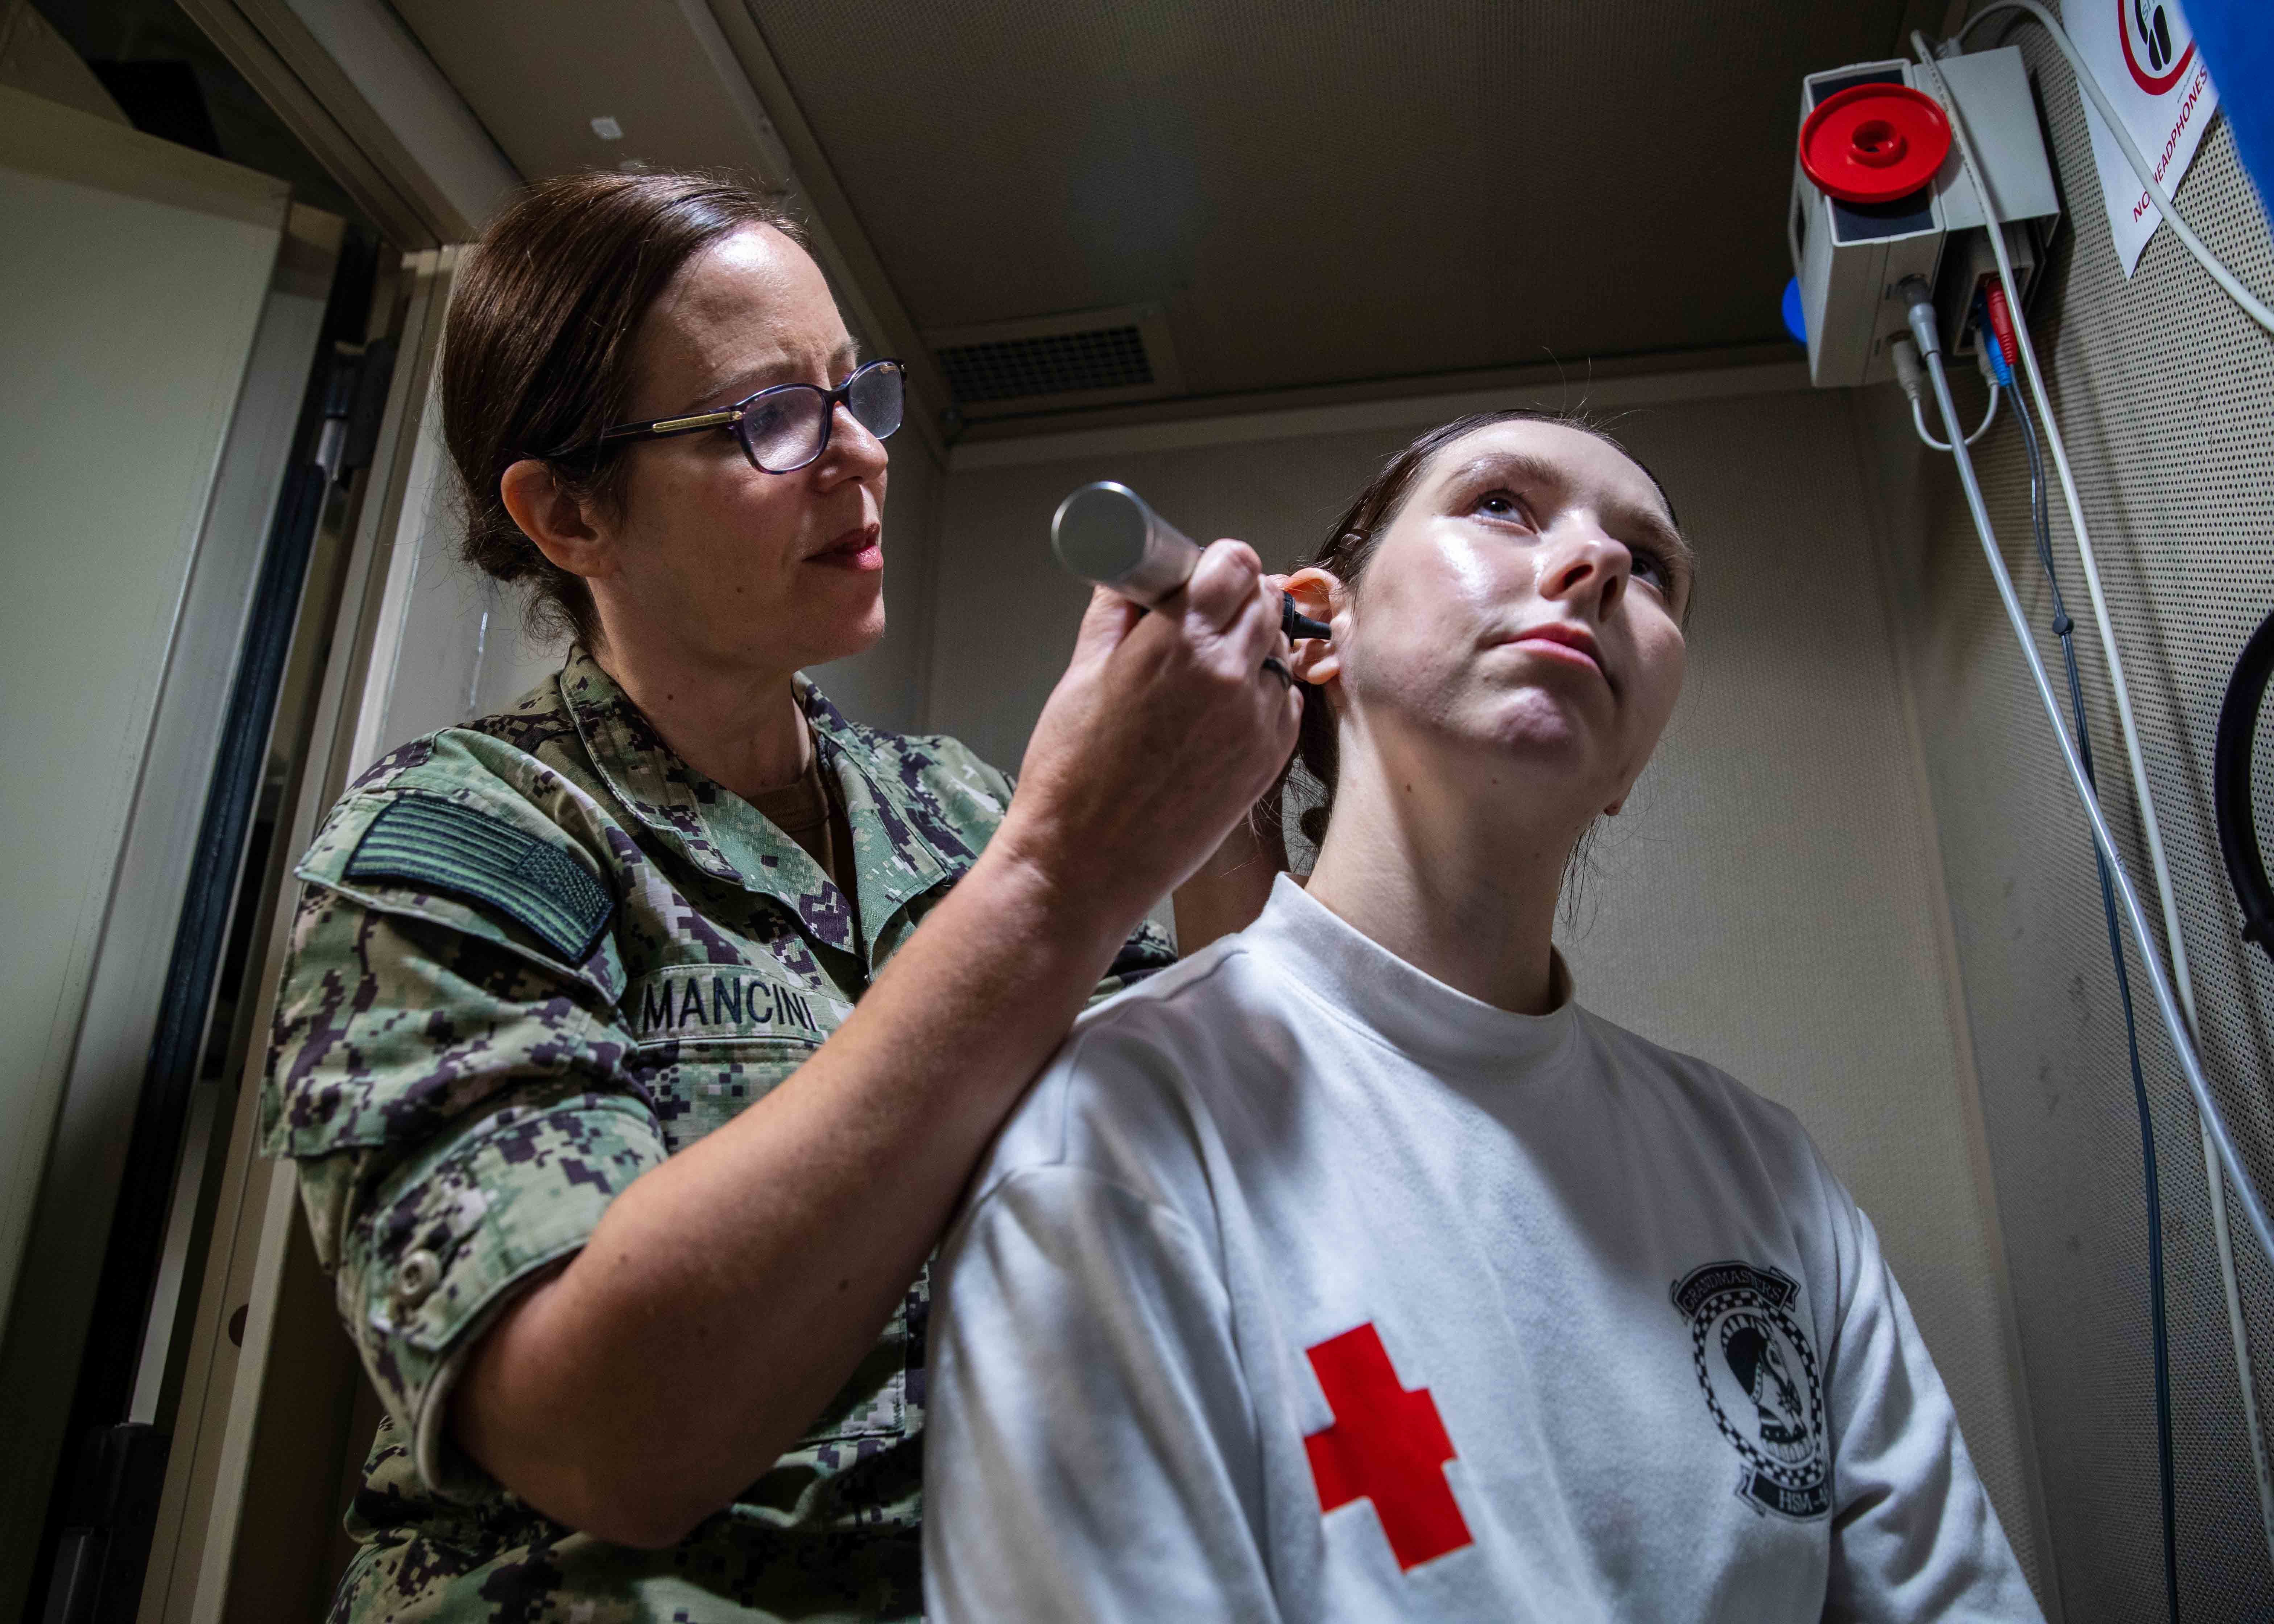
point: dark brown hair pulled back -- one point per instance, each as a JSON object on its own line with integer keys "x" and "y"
{"x": 536, "y": 353}
{"x": 1349, "y": 548}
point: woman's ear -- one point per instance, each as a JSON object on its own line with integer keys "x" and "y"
{"x": 560, "y": 523}
{"x": 1319, "y": 595}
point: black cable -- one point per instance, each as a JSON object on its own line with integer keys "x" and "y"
{"x": 2064, "y": 629}
{"x": 2231, "y": 785}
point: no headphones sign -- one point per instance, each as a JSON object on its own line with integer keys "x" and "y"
{"x": 2144, "y": 55}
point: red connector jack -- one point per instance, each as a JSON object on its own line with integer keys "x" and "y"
{"x": 2001, "y": 321}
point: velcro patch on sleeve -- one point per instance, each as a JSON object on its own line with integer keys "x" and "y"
{"x": 449, "y": 846}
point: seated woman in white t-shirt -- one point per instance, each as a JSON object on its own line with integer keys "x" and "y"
{"x": 1351, "y": 1270}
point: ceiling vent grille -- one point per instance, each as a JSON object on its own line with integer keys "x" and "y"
{"x": 1011, "y": 369}
{"x": 1095, "y": 357}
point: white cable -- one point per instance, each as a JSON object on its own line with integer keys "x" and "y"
{"x": 2245, "y": 1192}
{"x": 1904, "y": 355}
{"x": 2238, "y": 1328}
{"x": 2252, "y": 305}
{"x": 1918, "y": 417}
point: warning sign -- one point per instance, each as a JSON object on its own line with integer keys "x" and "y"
{"x": 2143, "y": 53}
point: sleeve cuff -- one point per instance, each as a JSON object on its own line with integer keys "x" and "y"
{"x": 454, "y": 1235}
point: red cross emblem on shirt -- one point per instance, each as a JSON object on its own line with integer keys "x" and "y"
{"x": 1388, "y": 1446}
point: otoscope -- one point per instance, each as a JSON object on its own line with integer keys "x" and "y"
{"x": 1106, "y": 533}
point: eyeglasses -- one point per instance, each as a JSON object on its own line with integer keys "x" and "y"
{"x": 787, "y": 427}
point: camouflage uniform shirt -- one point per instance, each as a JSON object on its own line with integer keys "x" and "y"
{"x": 536, "y": 955}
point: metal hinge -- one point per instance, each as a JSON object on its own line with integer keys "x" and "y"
{"x": 355, "y": 401}
{"x": 105, "y": 1542}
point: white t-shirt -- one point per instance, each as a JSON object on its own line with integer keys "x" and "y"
{"x": 1305, "y": 1287}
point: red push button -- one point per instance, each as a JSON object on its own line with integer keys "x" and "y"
{"x": 1874, "y": 143}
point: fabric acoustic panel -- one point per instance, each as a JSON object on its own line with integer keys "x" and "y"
{"x": 2165, "y": 395}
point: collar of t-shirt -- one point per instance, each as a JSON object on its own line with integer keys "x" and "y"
{"x": 806, "y": 811}
{"x": 1356, "y": 981}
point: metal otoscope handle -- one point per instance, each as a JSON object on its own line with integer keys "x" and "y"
{"x": 1106, "y": 533}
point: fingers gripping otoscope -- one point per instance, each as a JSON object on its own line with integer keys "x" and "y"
{"x": 1106, "y": 533}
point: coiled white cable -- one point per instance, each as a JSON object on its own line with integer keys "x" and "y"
{"x": 1908, "y": 374}
{"x": 2151, "y": 832}
{"x": 1918, "y": 422}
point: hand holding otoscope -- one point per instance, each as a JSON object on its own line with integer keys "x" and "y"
{"x": 1106, "y": 533}
{"x": 1167, "y": 727}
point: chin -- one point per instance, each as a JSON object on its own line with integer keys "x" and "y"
{"x": 1538, "y": 760}
{"x": 1536, "y": 727}
{"x": 856, "y": 634}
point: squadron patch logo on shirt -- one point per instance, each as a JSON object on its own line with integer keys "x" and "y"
{"x": 1761, "y": 1382}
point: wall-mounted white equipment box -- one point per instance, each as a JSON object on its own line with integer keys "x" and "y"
{"x": 1850, "y": 258}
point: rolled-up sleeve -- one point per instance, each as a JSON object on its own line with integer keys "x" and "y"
{"x": 458, "y": 1116}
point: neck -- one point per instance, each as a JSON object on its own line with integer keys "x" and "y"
{"x": 740, "y": 728}
{"x": 1451, "y": 865}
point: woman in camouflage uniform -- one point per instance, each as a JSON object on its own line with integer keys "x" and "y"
{"x": 636, "y": 1043}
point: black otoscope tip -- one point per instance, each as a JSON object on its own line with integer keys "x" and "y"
{"x": 1298, "y": 625}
